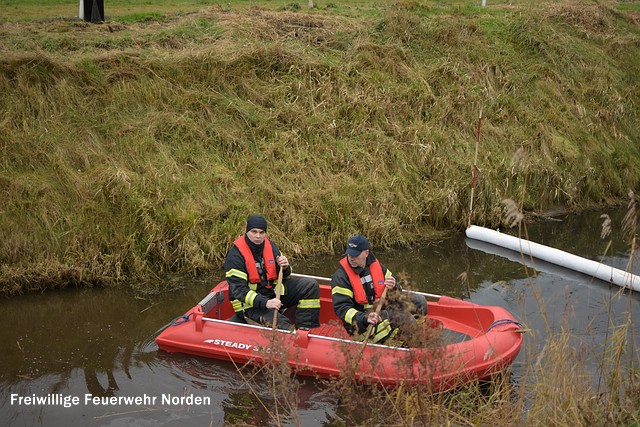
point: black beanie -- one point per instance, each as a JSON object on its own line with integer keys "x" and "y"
{"x": 256, "y": 221}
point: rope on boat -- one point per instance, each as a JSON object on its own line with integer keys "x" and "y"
{"x": 175, "y": 322}
{"x": 180, "y": 319}
{"x": 500, "y": 322}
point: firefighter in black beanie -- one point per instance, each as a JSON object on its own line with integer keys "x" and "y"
{"x": 252, "y": 265}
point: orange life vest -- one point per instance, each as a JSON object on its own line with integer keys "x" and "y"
{"x": 358, "y": 290}
{"x": 250, "y": 262}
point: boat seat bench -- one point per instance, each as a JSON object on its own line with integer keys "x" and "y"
{"x": 210, "y": 301}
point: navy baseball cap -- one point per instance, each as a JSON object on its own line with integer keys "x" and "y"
{"x": 356, "y": 245}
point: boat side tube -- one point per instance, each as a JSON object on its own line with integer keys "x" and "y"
{"x": 328, "y": 280}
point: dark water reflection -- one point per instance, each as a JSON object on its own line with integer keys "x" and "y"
{"x": 100, "y": 342}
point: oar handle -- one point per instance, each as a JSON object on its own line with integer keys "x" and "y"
{"x": 278, "y": 293}
{"x": 381, "y": 301}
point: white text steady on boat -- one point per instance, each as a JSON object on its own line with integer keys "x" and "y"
{"x": 232, "y": 344}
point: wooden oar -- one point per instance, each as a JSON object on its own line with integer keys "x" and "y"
{"x": 278, "y": 292}
{"x": 381, "y": 302}
{"x": 275, "y": 328}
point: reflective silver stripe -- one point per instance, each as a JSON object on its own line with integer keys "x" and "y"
{"x": 382, "y": 330}
{"x": 342, "y": 291}
{"x": 251, "y": 296}
{"x": 283, "y": 289}
{"x": 237, "y": 305}
{"x": 237, "y": 273}
{"x": 309, "y": 303}
{"x": 348, "y": 317}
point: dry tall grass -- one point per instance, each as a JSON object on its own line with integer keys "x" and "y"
{"x": 137, "y": 148}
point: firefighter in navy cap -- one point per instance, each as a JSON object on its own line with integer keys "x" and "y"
{"x": 358, "y": 282}
{"x": 252, "y": 265}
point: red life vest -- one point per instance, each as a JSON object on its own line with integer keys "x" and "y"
{"x": 250, "y": 262}
{"x": 358, "y": 290}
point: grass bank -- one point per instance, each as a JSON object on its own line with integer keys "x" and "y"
{"x": 137, "y": 147}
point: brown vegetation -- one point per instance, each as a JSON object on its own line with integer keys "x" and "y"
{"x": 136, "y": 148}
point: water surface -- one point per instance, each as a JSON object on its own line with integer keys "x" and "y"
{"x": 99, "y": 342}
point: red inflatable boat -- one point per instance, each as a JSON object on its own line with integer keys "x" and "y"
{"x": 470, "y": 342}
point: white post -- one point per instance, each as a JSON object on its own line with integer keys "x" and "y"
{"x": 310, "y": 4}
{"x": 484, "y": 3}
{"x": 81, "y": 10}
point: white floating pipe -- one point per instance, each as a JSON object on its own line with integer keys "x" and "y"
{"x": 556, "y": 256}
